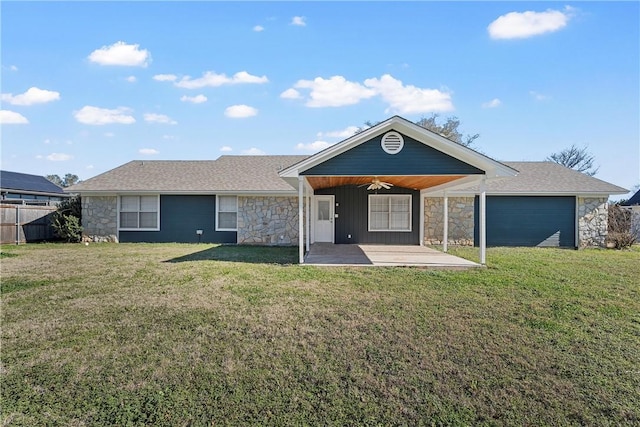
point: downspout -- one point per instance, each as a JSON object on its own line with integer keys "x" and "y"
{"x": 445, "y": 225}
{"x": 483, "y": 222}
{"x": 422, "y": 200}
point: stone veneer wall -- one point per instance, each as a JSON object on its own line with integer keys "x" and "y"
{"x": 100, "y": 218}
{"x": 460, "y": 220}
{"x": 593, "y": 216}
{"x": 267, "y": 220}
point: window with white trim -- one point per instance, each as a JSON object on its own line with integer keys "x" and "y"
{"x": 227, "y": 213}
{"x": 390, "y": 212}
{"x": 139, "y": 212}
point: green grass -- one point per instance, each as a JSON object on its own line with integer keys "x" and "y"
{"x": 138, "y": 334}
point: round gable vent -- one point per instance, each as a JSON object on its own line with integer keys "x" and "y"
{"x": 392, "y": 142}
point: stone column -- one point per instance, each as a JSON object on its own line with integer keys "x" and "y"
{"x": 593, "y": 216}
{"x": 99, "y": 218}
{"x": 267, "y": 220}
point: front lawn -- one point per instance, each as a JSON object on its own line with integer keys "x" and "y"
{"x": 141, "y": 334}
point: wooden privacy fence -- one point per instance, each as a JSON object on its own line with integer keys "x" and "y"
{"x": 23, "y": 223}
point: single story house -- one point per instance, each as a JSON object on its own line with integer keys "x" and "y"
{"x": 23, "y": 188}
{"x": 394, "y": 183}
{"x": 633, "y": 205}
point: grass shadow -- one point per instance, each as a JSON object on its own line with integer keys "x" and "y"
{"x": 282, "y": 255}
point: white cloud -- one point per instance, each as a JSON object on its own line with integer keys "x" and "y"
{"x": 109, "y": 134}
{"x": 344, "y": 133}
{"x": 298, "y": 21}
{"x": 253, "y": 152}
{"x": 159, "y": 118}
{"x": 258, "y": 28}
{"x": 240, "y": 111}
{"x": 39, "y": 156}
{"x": 338, "y": 91}
{"x": 211, "y": 79}
{"x": 226, "y": 148}
{"x": 131, "y": 79}
{"x": 198, "y": 99}
{"x": 334, "y": 92}
{"x": 47, "y": 141}
{"x": 89, "y": 167}
{"x": 32, "y": 96}
{"x": 121, "y": 53}
{"x": 59, "y": 157}
{"x": 313, "y": 146}
{"x": 290, "y": 94}
{"x": 90, "y": 115}
{"x": 520, "y": 25}
{"x": 168, "y": 137}
{"x": 12, "y": 118}
{"x": 13, "y": 68}
{"x": 409, "y": 99}
{"x": 148, "y": 151}
{"x": 165, "y": 77}
{"x": 538, "y": 96}
{"x": 495, "y": 102}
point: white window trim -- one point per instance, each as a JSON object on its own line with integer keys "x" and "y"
{"x": 218, "y": 211}
{"x": 391, "y": 196}
{"x": 157, "y": 196}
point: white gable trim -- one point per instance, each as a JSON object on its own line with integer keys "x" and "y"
{"x": 491, "y": 167}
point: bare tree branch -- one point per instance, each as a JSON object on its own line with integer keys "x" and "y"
{"x": 576, "y": 158}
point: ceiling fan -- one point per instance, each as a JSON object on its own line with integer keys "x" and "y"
{"x": 376, "y": 184}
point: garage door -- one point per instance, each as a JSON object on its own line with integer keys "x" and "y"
{"x": 528, "y": 221}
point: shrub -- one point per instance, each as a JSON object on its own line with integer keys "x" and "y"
{"x": 67, "y": 219}
{"x": 620, "y": 233}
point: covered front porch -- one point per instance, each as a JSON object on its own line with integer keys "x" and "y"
{"x": 329, "y": 254}
{"x": 368, "y": 192}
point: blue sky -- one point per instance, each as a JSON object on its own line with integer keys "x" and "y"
{"x": 87, "y": 86}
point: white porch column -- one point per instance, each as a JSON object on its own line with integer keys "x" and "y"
{"x": 300, "y": 219}
{"x": 483, "y": 222}
{"x": 422, "y": 198}
{"x": 445, "y": 228}
{"x": 309, "y": 192}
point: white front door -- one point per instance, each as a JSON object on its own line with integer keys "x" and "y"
{"x": 323, "y": 219}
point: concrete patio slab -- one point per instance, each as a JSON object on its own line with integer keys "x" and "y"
{"x": 328, "y": 254}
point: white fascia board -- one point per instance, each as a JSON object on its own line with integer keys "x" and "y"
{"x": 338, "y": 148}
{"x": 189, "y": 193}
{"x": 491, "y": 167}
{"x": 97, "y": 193}
{"x": 35, "y": 193}
{"x": 462, "y": 192}
{"x": 452, "y": 186}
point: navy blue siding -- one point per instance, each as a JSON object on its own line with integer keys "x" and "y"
{"x": 352, "y": 209}
{"x": 415, "y": 158}
{"x": 528, "y": 221}
{"x": 180, "y": 217}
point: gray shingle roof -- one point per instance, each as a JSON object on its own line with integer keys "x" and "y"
{"x": 246, "y": 174}
{"x": 550, "y": 178}
{"x": 226, "y": 174}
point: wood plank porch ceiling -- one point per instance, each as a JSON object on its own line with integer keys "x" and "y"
{"x": 413, "y": 182}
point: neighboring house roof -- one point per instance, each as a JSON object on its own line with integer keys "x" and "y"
{"x": 233, "y": 174}
{"x": 545, "y": 178}
{"x": 634, "y": 200}
{"x": 31, "y": 184}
